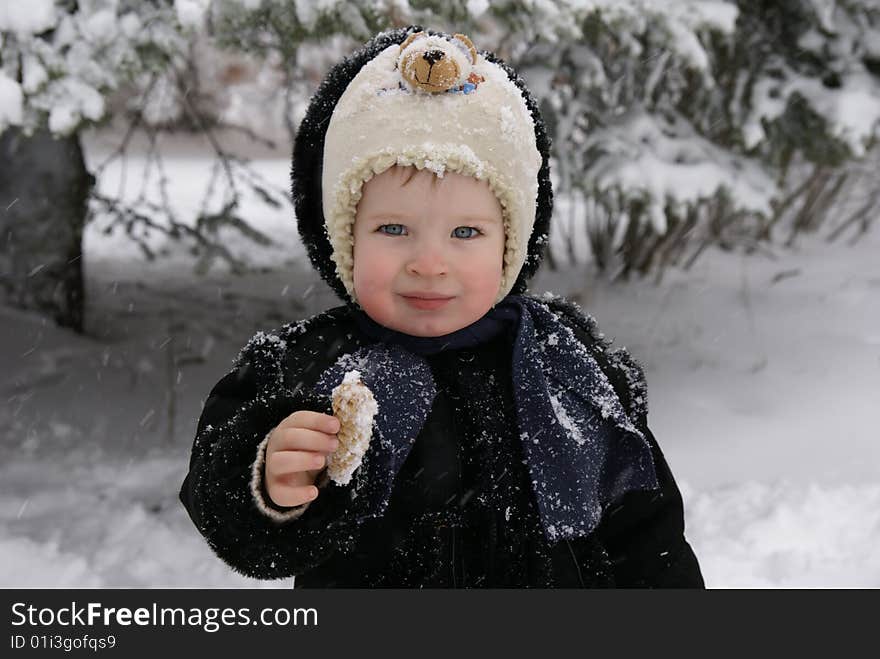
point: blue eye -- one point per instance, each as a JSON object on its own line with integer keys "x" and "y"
{"x": 392, "y": 233}
{"x": 476, "y": 232}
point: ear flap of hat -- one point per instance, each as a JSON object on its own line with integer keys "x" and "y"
{"x": 540, "y": 238}
{"x": 308, "y": 151}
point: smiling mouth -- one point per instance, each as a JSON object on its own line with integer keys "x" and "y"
{"x": 426, "y": 304}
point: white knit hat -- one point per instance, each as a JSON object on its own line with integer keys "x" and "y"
{"x": 435, "y": 103}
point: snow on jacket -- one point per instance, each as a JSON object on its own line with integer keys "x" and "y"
{"x": 462, "y": 511}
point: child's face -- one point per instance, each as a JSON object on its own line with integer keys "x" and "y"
{"x": 427, "y": 236}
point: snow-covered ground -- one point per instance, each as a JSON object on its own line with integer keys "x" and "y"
{"x": 763, "y": 394}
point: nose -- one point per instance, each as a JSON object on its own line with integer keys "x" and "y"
{"x": 432, "y": 56}
{"x": 428, "y": 262}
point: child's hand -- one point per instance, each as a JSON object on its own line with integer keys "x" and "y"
{"x": 295, "y": 455}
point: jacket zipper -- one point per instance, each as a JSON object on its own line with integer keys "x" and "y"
{"x": 575, "y": 561}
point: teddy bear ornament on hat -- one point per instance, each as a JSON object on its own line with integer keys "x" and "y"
{"x": 434, "y": 65}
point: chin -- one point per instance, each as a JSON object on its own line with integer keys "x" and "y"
{"x": 430, "y": 333}
{"x": 422, "y": 329}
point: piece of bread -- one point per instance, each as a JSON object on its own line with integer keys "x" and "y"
{"x": 355, "y": 407}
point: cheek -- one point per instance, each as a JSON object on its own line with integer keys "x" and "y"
{"x": 483, "y": 272}
{"x": 373, "y": 272}
{"x": 488, "y": 280}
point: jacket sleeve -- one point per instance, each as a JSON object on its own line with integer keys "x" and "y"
{"x": 643, "y": 533}
{"x": 224, "y": 492}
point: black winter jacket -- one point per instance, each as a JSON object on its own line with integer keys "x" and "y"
{"x": 462, "y": 512}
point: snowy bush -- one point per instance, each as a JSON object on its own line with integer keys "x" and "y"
{"x": 64, "y": 62}
{"x": 676, "y": 123}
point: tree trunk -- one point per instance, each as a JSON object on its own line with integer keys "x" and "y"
{"x": 44, "y": 191}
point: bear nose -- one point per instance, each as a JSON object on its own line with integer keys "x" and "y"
{"x": 433, "y": 56}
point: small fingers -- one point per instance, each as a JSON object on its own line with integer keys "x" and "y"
{"x": 285, "y": 495}
{"x": 301, "y": 439}
{"x": 312, "y": 421}
{"x": 288, "y": 462}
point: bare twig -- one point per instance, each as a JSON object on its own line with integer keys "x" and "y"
{"x": 860, "y": 215}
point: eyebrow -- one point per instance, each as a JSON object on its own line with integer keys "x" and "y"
{"x": 397, "y": 216}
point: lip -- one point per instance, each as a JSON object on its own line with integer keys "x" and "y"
{"x": 426, "y": 303}
{"x": 427, "y": 296}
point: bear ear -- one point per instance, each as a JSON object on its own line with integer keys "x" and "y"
{"x": 469, "y": 45}
{"x": 410, "y": 39}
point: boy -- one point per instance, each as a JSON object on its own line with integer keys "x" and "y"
{"x": 510, "y": 446}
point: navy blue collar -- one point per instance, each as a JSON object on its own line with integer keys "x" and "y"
{"x": 582, "y": 450}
